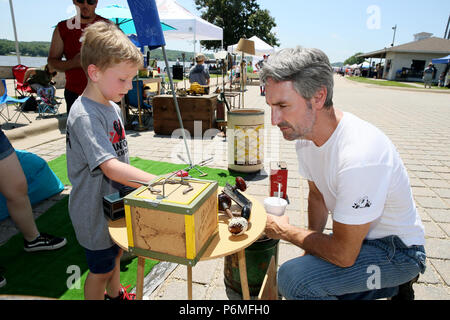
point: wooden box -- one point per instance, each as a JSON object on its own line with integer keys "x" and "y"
{"x": 192, "y": 108}
{"x": 177, "y": 227}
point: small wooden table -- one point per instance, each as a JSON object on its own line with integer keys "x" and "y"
{"x": 233, "y": 95}
{"x": 222, "y": 245}
{"x": 153, "y": 80}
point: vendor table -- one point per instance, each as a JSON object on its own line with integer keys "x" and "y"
{"x": 222, "y": 245}
{"x": 192, "y": 108}
{"x": 233, "y": 95}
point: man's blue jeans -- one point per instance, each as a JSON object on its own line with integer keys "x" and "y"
{"x": 382, "y": 265}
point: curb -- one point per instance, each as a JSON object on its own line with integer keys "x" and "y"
{"x": 33, "y": 130}
{"x": 370, "y": 85}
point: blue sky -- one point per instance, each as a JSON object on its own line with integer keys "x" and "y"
{"x": 340, "y": 28}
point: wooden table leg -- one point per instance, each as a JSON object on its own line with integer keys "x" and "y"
{"x": 140, "y": 278}
{"x": 189, "y": 278}
{"x": 243, "y": 275}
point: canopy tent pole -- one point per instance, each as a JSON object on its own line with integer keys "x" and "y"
{"x": 174, "y": 94}
{"x": 195, "y": 39}
{"x": 150, "y": 33}
{"x": 15, "y": 31}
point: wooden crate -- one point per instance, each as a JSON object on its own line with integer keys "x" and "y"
{"x": 192, "y": 108}
{"x": 176, "y": 228}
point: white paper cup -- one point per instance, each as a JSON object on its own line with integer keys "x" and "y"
{"x": 275, "y": 205}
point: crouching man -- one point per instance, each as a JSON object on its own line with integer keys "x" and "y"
{"x": 376, "y": 248}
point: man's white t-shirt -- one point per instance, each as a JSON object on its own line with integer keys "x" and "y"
{"x": 362, "y": 179}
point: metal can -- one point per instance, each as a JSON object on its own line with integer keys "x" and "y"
{"x": 278, "y": 179}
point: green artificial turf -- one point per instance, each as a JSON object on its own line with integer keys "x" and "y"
{"x": 51, "y": 273}
{"x": 222, "y": 176}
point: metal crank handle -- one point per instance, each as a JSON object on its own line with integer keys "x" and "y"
{"x": 140, "y": 182}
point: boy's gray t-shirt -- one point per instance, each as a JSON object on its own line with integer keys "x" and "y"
{"x": 95, "y": 133}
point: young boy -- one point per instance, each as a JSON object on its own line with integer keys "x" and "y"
{"x": 97, "y": 152}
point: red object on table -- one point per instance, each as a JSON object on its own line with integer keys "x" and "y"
{"x": 182, "y": 173}
{"x": 278, "y": 175}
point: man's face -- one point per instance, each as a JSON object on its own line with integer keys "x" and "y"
{"x": 292, "y": 113}
{"x": 87, "y": 10}
{"x": 115, "y": 82}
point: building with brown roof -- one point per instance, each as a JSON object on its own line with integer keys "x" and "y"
{"x": 406, "y": 62}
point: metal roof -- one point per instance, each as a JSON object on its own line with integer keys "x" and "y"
{"x": 430, "y": 45}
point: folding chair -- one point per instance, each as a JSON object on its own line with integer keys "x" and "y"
{"x": 133, "y": 97}
{"x": 3, "y": 107}
{"x": 19, "y": 73}
{"x": 49, "y": 103}
{"x": 6, "y": 100}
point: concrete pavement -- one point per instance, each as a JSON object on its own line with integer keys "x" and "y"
{"x": 416, "y": 121}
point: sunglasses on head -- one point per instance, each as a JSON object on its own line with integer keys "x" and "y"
{"x": 89, "y": 2}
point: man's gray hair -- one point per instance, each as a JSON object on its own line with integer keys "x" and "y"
{"x": 309, "y": 69}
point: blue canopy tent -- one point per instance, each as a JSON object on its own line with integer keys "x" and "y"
{"x": 122, "y": 17}
{"x": 150, "y": 33}
{"x": 442, "y": 60}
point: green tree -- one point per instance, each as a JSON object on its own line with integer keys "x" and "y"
{"x": 238, "y": 19}
{"x": 33, "y": 48}
{"x": 354, "y": 59}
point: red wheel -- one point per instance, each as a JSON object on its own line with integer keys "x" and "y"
{"x": 224, "y": 201}
{"x": 240, "y": 184}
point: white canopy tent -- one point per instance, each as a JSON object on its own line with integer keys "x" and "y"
{"x": 261, "y": 48}
{"x": 365, "y": 64}
{"x": 188, "y": 26}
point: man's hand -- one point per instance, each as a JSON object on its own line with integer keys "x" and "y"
{"x": 276, "y": 226}
{"x": 340, "y": 248}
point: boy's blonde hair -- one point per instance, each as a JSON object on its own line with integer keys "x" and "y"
{"x": 104, "y": 45}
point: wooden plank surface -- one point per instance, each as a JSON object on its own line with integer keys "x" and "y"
{"x": 195, "y": 108}
{"x": 167, "y": 127}
{"x": 269, "y": 288}
{"x": 225, "y": 243}
{"x": 159, "y": 231}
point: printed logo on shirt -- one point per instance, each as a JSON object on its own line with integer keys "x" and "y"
{"x": 117, "y": 138}
{"x": 362, "y": 203}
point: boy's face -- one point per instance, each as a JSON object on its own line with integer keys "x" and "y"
{"x": 115, "y": 82}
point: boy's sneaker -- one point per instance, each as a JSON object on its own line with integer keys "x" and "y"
{"x": 2, "y": 281}
{"x": 44, "y": 242}
{"x": 405, "y": 291}
{"x": 123, "y": 295}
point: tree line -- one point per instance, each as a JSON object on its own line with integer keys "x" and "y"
{"x": 32, "y": 49}
{"x": 41, "y": 48}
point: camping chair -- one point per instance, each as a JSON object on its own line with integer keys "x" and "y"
{"x": 49, "y": 103}
{"x": 6, "y": 100}
{"x": 19, "y": 73}
{"x": 146, "y": 108}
